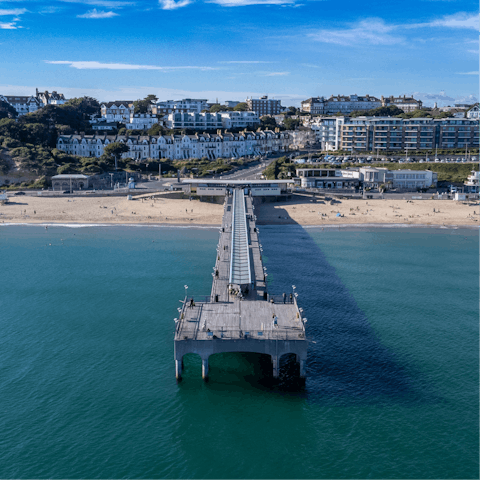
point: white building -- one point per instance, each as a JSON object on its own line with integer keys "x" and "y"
{"x": 30, "y": 104}
{"x": 239, "y": 119}
{"x": 327, "y": 178}
{"x": 326, "y": 132}
{"x": 22, "y": 104}
{"x": 340, "y": 104}
{"x": 178, "y": 147}
{"x": 141, "y": 121}
{"x": 53, "y": 98}
{"x": 407, "y": 104}
{"x": 473, "y": 182}
{"x": 473, "y": 112}
{"x": 399, "y": 179}
{"x": 187, "y": 105}
{"x": 196, "y": 121}
{"x": 118, "y": 111}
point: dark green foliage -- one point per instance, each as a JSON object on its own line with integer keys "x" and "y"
{"x": 390, "y": 111}
{"x": 7, "y": 111}
{"x": 279, "y": 169}
{"x": 241, "y": 107}
{"x": 267, "y": 123}
{"x": 115, "y": 149}
{"x": 85, "y": 105}
{"x": 141, "y": 106}
{"x": 218, "y": 108}
{"x": 291, "y": 123}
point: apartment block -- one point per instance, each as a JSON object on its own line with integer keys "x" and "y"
{"x": 264, "y": 106}
{"x": 196, "y": 121}
{"x": 239, "y": 120}
{"x": 388, "y": 133}
{"x": 186, "y": 105}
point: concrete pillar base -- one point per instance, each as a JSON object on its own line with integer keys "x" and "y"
{"x": 275, "y": 367}
{"x": 205, "y": 368}
{"x": 178, "y": 369}
{"x": 303, "y": 373}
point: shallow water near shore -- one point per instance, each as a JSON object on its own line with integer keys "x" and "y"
{"x": 87, "y": 382}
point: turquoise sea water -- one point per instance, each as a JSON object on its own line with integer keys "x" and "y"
{"x": 87, "y": 386}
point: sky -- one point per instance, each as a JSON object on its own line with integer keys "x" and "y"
{"x": 233, "y": 49}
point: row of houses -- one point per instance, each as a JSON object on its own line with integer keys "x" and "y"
{"x": 31, "y": 103}
{"x": 368, "y": 177}
{"x": 180, "y": 147}
{"x": 390, "y": 133}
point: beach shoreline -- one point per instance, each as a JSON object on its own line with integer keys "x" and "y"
{"x": 162, "y": 211}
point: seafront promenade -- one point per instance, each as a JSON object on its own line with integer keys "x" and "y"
{"x": 240, "y": 315}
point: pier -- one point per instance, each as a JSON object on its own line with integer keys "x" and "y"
{"x": 240, "y": 314}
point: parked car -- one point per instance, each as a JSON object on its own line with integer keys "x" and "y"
{"x": 19, "y": 193}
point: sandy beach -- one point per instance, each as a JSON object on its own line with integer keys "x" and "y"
{"x": 163, "y": 209}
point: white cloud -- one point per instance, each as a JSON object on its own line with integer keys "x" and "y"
{"x": 467, "y": 73}
{"x": 8, "y": 26}
{"x": 309, "y": 65}
{"x": 95, "y": 14}
{"x": 243, "y": 3}
{"x": 173, "y": 5}
{"x": 246, "y": 61}
{"x": 13, "y": 11}
{"x": 92, "y": 65}
{"x": 276, "y": 74}
{"x": 459, "y": 20}
{"x": 101, "y": 3}
{"x": 373, "y": 31}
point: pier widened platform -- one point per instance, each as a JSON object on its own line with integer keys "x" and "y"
{"x": 240, "y": 315}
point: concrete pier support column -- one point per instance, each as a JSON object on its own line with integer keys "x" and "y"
{"x": 275, "y": 366}
{"x": 205, "y": 368}
{"x": 178, "y": 368}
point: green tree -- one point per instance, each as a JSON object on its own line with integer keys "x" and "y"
{"x": 85, "y": 105}
{"x": 7, "y": 111}
{"x": 267, "y": 123}
{"x": 115, "y": 150}
{"x": 291, "y": 123}
{"x": 218, "y": 108}
{"x": 241, "y": 107}
{"x": 142, "y": 106}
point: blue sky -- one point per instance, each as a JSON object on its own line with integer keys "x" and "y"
{"x": 231, "y": 49}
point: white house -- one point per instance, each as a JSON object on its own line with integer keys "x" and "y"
{"x": 141, "y": 121}
{"x": 118, "y": 111}
{"x": 239, "y": 119}
{"x": 473, "y": 112}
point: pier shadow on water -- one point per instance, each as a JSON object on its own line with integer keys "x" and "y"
{"x": 346, "y": 360}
